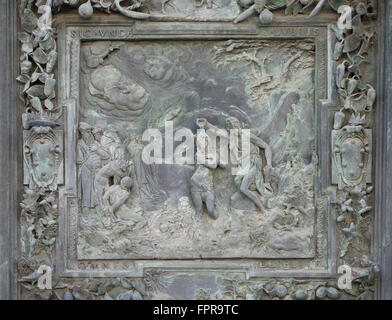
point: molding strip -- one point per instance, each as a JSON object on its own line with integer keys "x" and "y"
{"x": 383, "y": 190}
{"x": 9, "y": 143}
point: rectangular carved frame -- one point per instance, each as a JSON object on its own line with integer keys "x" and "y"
{"x": 72, "y": 33}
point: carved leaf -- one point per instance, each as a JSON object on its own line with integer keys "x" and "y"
{"x": 39, "y": 56}
{"x": 27, "y": 47}
{"x": 338, "y": 50}
{"x": 104, "y": 3}
{"x": 81, "y": 294}
{"x": 49, "y": 242}
{"x": 29, "y": 21}
{"x": 36, "y": 91}
{"x": 297, "y": 9}
{"x": 35, "y": 76}
{"x": 293, "y": 7}
{"x": 357, "y": 25}
{"x": 275, "y": 4}
{"x": 139, "y": 286}
{"x": 36, "y": 104}
{"x": 48, "y": 104}
{"x": 58, "y": 3}
{"x": 125, "y": 284}
{"x": 24, "y": 37}
{"x": 107, "y": 297}
{"x": 43, "y": 76}
{"x": 25, "y": 66}
{"x": 137, "y": 296}
{"x": 351, "y": 43}
{"x": 47, "y": 43}
{"x": 39, "y": 3}
{"x": 52, "y": 59}
{"x": 23, "y": 78}
{"x": 49, "y": 87}
{"x": 344, "y": 246}
{"x": 361, "y": 85}
{"x": 128, "y": 295}
{"x": 27, "y": 86}
{"x": 259, "y": 5}
{"x": 338, "y": 32}
{"x": 356, "y": 62}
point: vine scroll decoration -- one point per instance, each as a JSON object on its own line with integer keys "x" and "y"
{"x": 351, "y": 148}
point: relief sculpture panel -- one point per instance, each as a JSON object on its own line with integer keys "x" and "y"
{"x": 130, "y": 209}
{"x": 200, "y": 149}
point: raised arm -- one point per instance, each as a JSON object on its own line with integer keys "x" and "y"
{"x": 263, "y": 145}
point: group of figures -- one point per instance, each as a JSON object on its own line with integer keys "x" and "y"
{"x": 252, "y": 184}
{"x": 105, "y": 182}
{"x": 104, "y": 173}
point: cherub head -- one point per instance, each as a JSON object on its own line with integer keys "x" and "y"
{"x": 158, "y": 68}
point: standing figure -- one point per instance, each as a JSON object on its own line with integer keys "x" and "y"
{"x": 109, "y": 138}
{"x": 90, "y": 157}
{"x": 202, "y": 181}
{"x": 253, "y": 182}
{"x": 146, "y": 175}
{"x": 112, "y": 142}
{"x": 252, "y": 185}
